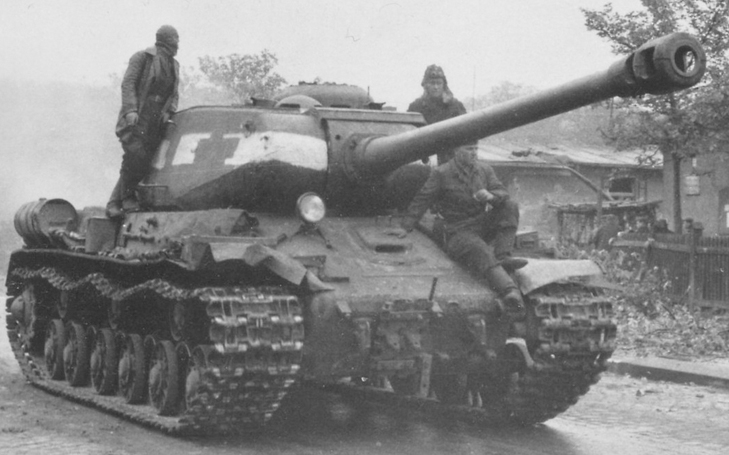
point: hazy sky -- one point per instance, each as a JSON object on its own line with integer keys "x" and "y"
{"x": 381, "y": 44}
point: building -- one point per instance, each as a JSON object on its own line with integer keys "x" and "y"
{"x": 704, "y": 187}
{"x": 558, "y": 186}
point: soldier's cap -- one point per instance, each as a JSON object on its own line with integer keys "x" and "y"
{"x": 166, "y": 34}
{"x": 434, "y": 72}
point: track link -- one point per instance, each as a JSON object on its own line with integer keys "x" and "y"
{"x": 232, "y": 395}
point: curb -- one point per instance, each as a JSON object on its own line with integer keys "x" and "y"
{"x": 669, "y": 370}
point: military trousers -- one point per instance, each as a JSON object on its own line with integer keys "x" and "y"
{"x": 479, "y": 243}
{"x": 139, "y": 143}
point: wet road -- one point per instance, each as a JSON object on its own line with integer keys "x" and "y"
{"x": 618, "y": 416}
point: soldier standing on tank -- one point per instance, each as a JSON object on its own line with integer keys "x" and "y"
{"x": 437, "y": 102}
{"x": 481, "y": 221}
{"x": 149, "y": 98}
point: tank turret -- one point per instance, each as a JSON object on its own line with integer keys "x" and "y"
{"x": 334, "y": 140}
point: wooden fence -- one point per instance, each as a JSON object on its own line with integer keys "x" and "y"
{"x": 696, "y": 266}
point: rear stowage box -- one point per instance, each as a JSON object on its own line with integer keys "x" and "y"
{"x": 100, "y": 234}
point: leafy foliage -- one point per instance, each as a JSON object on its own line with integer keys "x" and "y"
{"x": 580, "y": 126}
{"x": 195, "y": 90}
{"x": 244, "y": 76}
{"x": 685, "y": 123}
{"x": 651, "y": 318}
{"x": 682, "y": 124}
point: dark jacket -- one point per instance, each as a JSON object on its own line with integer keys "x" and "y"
{"x": 453, "y": 197}
{"x": 437, "y": 110}
{"x": 138, "y": 78}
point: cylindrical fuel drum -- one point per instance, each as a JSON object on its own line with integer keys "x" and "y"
{"x": 35, "y": 220}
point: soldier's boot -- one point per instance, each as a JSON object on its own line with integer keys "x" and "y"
{"x": 511, "y": 301}
{"x": 114, "y": 208}
{"x": 129, "y": 195}
{"x": 130, "y": 204}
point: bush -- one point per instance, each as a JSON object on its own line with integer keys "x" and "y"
{"x": 651, "y": 318}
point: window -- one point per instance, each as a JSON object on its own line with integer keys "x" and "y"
{"x": 622, "y": 187}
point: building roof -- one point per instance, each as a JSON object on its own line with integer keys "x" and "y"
{"x": 563, "y": 155}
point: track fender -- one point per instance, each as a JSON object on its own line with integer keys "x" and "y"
{"x": 541, "y": 272}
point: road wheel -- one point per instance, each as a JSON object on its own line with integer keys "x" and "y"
{"x": 76, "y": 355}
{"x": 104, "y": 362}
{"x": 53, "y": 351}
{"x": 194, "y": 393}
{"x": 133, "y": 370}
{"x": 164, "y": 379}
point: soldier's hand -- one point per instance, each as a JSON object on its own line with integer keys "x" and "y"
{"x": 131, "y": 118}
{"x": 400, "y": 233}
{"x": 483, "y": 196}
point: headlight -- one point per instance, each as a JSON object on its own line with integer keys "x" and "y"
{"x": 311, "y": 207}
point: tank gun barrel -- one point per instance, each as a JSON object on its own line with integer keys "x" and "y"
{"x": 661, "y": 66}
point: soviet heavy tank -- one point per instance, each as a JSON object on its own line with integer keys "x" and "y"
{"x": 263, "y": 258}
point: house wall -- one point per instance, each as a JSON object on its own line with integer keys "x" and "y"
{"x": 535, "y": 188}
{"x": 711, "y": 205}
{"x": 651, "y": 178}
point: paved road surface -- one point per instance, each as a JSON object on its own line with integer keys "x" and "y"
{"x": 620, "y": 416}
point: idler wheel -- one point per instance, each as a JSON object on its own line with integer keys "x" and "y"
{"x": 76, "y": 355}
{"x": 17, "y": 309}
{"x": 164, "y": 379}
{"x": 53, "y": 350}
{"x": 132, "y": 370}
{"x": 25, "y": 309}
{"x": 104, "y": 362}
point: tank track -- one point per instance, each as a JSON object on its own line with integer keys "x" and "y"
{"x": 556, "y": 380}
{"x": 231, "y": 397}
{"x": 576, "y": 338}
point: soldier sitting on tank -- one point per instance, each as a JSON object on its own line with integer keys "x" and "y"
{"x": 480, "y": 221}
{"x": 437, "y": 103}
{"x": 149, "y": 98}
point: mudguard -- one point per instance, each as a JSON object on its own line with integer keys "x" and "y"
{"x": 541, "y": 272}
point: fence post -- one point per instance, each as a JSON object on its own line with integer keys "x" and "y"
{"x": 696, "y": 230}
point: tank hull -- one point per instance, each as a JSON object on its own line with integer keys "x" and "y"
{"x": 244, "y": 326}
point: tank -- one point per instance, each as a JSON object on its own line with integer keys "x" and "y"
{"x": 263, "y": 261}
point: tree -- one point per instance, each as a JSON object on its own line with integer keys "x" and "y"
{"x": 196, "y": 90}
{"x": 244, "y": 76}
{"x": 580, "y": 126}
{"x": 500, "y": 93}
{"x": 682, "y": 124}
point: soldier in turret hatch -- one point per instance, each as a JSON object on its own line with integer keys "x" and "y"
{"x": 149, "y": 98}
{"x": 481, "y": 221}
{"x": 437, "y": 103}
